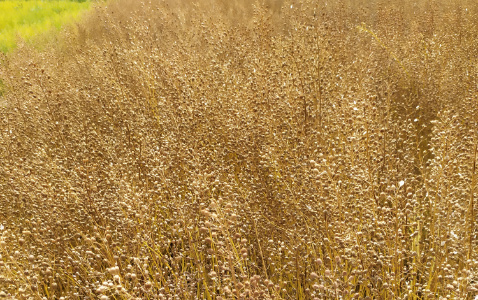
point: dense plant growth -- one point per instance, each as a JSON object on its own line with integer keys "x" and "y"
{"x": 244, "y": 150}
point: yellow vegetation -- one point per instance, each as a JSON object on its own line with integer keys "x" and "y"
{"x": 21, "y": 19}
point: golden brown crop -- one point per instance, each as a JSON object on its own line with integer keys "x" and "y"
{"x": 244, "y": 150}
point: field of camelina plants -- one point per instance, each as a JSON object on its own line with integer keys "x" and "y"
{"x": 267, "y": 149}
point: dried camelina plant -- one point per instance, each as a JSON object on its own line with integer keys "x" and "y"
{"x": 244, "y": 150}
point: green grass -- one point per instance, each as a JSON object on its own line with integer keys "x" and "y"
{"x": 29, "y": 19}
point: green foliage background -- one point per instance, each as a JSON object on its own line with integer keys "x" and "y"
{"x": 33, "y": 19}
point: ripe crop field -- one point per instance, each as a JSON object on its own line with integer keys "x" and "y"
{"x": 26, "y": 19}
{"x": 268, "y": 149}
